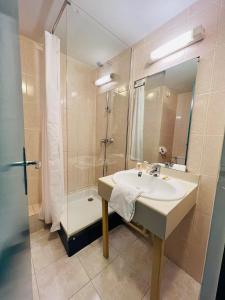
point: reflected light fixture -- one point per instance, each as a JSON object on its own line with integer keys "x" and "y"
{"x": 150, "y": 95}
{"x": 184, "y": 40}
{"x": 105, "y": 79}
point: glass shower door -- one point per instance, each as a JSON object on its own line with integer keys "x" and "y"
{"x": 15, "y": 263}
{"x": 117, "y": 132}
{"x": 111, "y": 135}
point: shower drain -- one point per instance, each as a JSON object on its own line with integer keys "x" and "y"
{"x": 90, "y": 199}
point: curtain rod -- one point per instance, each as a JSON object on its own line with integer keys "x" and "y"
{"x": 65, "y": 3}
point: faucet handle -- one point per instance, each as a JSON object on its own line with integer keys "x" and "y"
{"x": 155, "y": 169}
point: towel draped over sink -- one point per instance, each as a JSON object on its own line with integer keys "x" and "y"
{"x": 123, "y": 200}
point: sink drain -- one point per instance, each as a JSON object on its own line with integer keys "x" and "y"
{"x": 90, "y": 199}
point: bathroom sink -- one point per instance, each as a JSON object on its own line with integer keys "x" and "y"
{"x": 155, "y": 188}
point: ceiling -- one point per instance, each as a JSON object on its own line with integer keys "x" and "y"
{"x": 98, "y": 29}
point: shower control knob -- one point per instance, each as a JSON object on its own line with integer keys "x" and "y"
{"x": 103, "y": 141}
{"x": 107, "y": 141}
{"x": 110, "y": 140}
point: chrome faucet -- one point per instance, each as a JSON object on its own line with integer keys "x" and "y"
{"x": 155, "y": 171}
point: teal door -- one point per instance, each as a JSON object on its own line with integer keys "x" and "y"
{"x": 15, "y": 264}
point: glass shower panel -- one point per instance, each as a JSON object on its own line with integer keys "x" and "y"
{"x": 86, "y": 120}
{"x": 102, "y": 116}
{"x": 117, "y": 132}
{"x": 111, "y": 132}
{"x": 61, "y": 32}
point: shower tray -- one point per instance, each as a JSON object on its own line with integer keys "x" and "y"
{"x": 81, "y": 222}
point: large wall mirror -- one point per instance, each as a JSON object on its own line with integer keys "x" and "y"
{"x": 162, "y": 115}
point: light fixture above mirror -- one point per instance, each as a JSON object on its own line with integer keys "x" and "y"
{"x": 184, "y": 40}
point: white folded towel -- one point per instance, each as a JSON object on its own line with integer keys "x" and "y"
{"x": 123, "y": 200}
{"x": 178, "y": 167}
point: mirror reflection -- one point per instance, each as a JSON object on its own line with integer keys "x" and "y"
{"x": 162, "y": 115}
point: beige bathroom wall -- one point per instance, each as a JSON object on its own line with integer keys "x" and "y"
{"x": 32, "y": 59}
{"x": 78, "y": 96}
{"x": 187, "y": 244}
{"x": 118, "y": 95}
{"x": 120, "y": 66}
{"x": 181, "y": 126}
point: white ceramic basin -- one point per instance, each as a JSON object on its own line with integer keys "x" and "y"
{"x": 154, "y": 188}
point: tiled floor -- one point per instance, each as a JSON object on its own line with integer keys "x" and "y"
{"x": 88, "y": 276}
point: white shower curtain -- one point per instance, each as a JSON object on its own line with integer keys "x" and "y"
{"x": 138, "y": 124}
{"x": 52, "y": 140}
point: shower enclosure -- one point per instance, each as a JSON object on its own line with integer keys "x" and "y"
{"x": 94, "y": 120}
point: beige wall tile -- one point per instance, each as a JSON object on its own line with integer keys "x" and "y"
{"x": 204, "y": 74}
{"x": 200, "y": 229}
{"x": 218, "y": 82}
{"x": 33, "y": 144}
{"x": 206, "y": 194}
{"x": 79, "y": 119}
{"x": 211, "y": 155}
{"x": 216, "y": 114}
{"x": 195, "y": 153}
{"x": 221, "y": 24}
{"x": 34, "y": 190}
{"x": 194, "y": 260}
{"x": 198, "y": 123}
{"x": 32, "y": 60}
{"x": 32, "y": 117}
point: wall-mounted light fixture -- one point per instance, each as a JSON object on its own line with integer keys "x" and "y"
{"x": 105, "y": 79}
{"x": 184, "y": 40}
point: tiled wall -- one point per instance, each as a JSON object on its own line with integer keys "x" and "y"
{"x": 32, "y": 79}
{"x": 118, "y": 94}
{"x": 187, "y": 245}
{"x": 79, "y": 114}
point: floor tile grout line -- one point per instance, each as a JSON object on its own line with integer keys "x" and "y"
{"x": 89, "y": 282}
{"x": 54, "y": 261}
{"x": 35, "y": 277}
{"x": 83, "y": 268}
{"x": 96, "y": 290}
{"x": 103, "y": 267}
{"x": 85, "y": 284}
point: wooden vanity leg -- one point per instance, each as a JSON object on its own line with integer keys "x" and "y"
{"x": 105, "y": 228}
{"x": 158, "y": 253}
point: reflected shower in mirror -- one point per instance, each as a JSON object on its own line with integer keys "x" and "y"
{"x": 162, "y": 115}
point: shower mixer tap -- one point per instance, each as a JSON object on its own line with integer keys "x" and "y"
{"x": 107, "y": 141}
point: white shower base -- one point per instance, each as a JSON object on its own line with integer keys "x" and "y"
{"x": 81, "y": 213}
